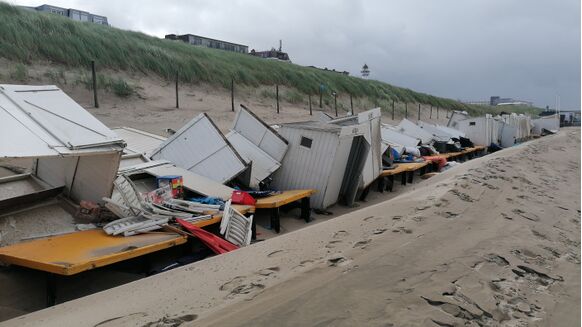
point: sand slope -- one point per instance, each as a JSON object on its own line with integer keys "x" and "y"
{"x": 495, "y": 241}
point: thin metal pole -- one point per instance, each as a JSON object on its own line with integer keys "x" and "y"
{"x": 310, "y": 110}
{"x": 277, "y": 96}
{"x": 177, "y": 97}
{"x": 94, "y": 84}
{"x": 232, "y": 93}
{"x": 335, "y": 102}
{"x": 405, "y": 110}
{"x": 392, "y": 109}
{"x": 351, "y": 104}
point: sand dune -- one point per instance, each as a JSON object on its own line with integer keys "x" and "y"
{"x": 495, "y": 241}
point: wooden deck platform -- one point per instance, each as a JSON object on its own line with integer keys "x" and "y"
{"x": 70, "y": 254}
{"x": 276, "y": 201}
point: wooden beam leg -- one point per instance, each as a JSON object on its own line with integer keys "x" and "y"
{"x": 381, "y": 184}
{"x": 365, "y": 193}
{"x": 403, "y": 178}
{"x": 275, "y": 220}
{"x": 390, "y": 185}
{"x": 51, "y": 289}
{"x": 306, "y": 209}
{"x": 422, "y": 170}
{"x": 410, "y": 177}
{"x": 254, "y": 230}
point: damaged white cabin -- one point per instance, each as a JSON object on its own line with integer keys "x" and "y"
{"x": 201, "y": 148}
{"x": 325, "y": 157}
{"x": 258, "y": 144}
{"x": 371, "y": 121}
{"x": 68, "y": 156}
{"x": 69, "y": 147}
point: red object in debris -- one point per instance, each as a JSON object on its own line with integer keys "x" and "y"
{"x": 440, "y": 160}
{"x": 215, "y": 243}
{"x": 241, "y": 197}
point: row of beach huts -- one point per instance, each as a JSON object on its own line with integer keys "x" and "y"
{"x": 116, "y": 185}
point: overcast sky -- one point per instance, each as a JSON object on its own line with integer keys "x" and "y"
{"x": 463, "y": 49}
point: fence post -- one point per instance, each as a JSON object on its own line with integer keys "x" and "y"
{"x": 392, "y": 109}
{"x": 232, "y": 93}
{"x": 320, "y": 96}
{"x": 406, "y": 110}
{"x": 277, "y": 96}
{"x": 177, "y": 101}
{"x": 310, "y": 110}
{"x": 335, "y": 102}
{"x": 430, "y": 112}
{"x": 94, "y": 84}
{"x": 351, "y": 104}
{"x": 419, "y": 111}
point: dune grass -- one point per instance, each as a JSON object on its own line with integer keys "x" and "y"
{"x": 28, "y": 37}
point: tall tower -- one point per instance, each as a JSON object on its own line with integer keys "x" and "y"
{"x": 365, "y": 71}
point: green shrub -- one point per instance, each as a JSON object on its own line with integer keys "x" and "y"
{"x": 121, "y": 88}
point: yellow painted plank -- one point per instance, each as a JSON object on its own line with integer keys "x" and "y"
{"x": 286, "y": 197}
{"x": 73, "y": 253}
{"x": 404, "y": 167}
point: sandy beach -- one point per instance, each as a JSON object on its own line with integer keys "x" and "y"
{"x": 495, "y": 241}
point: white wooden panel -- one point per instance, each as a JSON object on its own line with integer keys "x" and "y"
{"x": 262, "y": 164}
{"x": 94, "y": 177}
{"x": 201, "y": 148}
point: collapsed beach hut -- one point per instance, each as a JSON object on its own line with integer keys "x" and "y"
{"x": 71, "y": 150}
{"x": 440, "y": 132}
{"x": 411, "y": 129}
{"x": 392, "y": 137}
{"x": 480, "y": 130}
{"x": 73, "y": 157}
{"x": 326, "y": 157}
{"x": 200, "y": 147}
{"x": 139, "y": 145}
{"x": 457, "y": 116}
{"x": 549, "y": 123}
{"x": 371, "y": 119}
{"x": 258, "y": 144}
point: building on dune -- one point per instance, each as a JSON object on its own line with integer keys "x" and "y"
{"x": 209, "y": 43}
{"x": 74, "y": 14}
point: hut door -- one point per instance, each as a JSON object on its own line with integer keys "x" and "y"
{"x": 356, "y": 160}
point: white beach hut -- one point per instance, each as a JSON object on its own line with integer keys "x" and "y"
{"x": 326, "y": 157}
{"x": 371, "y": 119}
{"x": 258, "y": 144}
{"x": 71, "y": 151}
{"x": 201, "y": 148}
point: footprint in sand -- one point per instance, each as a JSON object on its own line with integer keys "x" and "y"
{"x": 362, "y": 244}
{"x": 171, "y": 321}
{"x": 462, "y": 196}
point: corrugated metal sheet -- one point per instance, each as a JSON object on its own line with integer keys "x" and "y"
{"x": 202, "y": 149}
{"x": 247, "y": 124}
{"x": 138, "y": 141}
{"x": 321, "y": 166}
{"x": 47, "y": 123}
{"x": 262, "y": 164}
